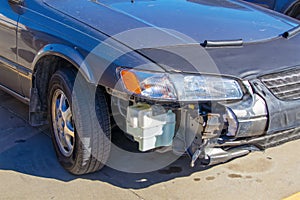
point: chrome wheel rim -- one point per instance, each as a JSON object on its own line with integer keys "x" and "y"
{"x": 62, "y": 122}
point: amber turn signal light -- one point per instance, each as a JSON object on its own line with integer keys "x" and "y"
{"x": 131, "y": 82}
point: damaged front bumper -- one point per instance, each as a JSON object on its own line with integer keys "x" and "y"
{"x": 209, "y": 132}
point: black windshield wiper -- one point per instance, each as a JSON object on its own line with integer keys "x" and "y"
{"x": 291, "y": 33}
{"x": 223, "y": 43}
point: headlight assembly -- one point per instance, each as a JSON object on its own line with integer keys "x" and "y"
{"x": 181, "y": 87}
{"x": 206, "y": 88}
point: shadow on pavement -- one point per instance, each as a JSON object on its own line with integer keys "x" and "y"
{"x": 29, "y": 151}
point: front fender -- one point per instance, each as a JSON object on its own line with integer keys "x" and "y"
{"x": 68, "y": 53}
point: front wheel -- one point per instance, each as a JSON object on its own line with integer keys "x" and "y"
{"x": 81, "y": 140}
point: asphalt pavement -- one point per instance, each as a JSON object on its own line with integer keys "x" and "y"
{"x": 29, "y": 170}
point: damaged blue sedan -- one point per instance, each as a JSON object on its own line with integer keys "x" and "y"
{"x": 209, "y": 79}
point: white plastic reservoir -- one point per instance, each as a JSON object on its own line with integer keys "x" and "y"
{"x": 150, "y": 130}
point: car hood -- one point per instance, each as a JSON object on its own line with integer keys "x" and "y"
{"x": 173, "y": 22}
{"x": 247, "y": 62}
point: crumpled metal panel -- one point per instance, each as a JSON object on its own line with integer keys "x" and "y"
{"x": 285, "y": 85}
{"x": 251, "y": 115}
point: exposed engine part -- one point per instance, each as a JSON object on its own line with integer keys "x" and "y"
{"x": 196, "y": 124}
{"x": 189, "y": 134}
{"x": 151, "y": 126}
{"x": 213, "y": 126}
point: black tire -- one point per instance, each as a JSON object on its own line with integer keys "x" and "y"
{"x": 91, "y": 146}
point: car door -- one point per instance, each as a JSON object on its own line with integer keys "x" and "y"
{"x": 9, "y": 76}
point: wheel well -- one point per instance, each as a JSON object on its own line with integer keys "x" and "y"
{"x": 43, "y": 71}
